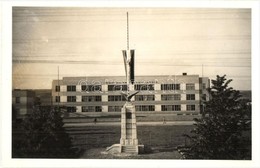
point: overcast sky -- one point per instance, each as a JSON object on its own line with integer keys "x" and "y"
{"x": 169, "y": 41}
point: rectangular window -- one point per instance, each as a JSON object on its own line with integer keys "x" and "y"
{"x": 71, "y": 109}
{"x": 83, "y": 88}
{"x": 190, "y": 86}
{"x": 171, "y": 107}
{"x": 57, "y": 98}
{"x": 116, "y": 98}
{"x": 114, "y": 108}
{"x": 17, "y": 100}
{"x": 170, "y": 97}
{"x": 57, "y": 88}
{"x": 170, "y": 86}
{"x": 190, "y": 96}
{"x": 117, "y": 87}
{"x": 144, "y": 108}
{"x": 203, "y": 86}
{"x": 91, "y": 88}
{"x": 144, "y": 87}
{"x": 144, "y": 98}
{"x": 91, "y": 108}
{"x": 190, "y": 107}
{"x": 94, "y": 88}
{"x": 98, "y": 109}
{"x": 71, "y": 88}
{"x": 71, "y": 98}
{"x": 91, "y": 98}
{"x": 87, "y": 108}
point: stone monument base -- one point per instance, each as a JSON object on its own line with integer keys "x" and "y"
{"x": 125, "y": 149}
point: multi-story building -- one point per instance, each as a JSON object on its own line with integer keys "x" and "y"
{"x": 22, "y": 101}
{"x": 43, "y": 96}
{"x": 178, "y": 93}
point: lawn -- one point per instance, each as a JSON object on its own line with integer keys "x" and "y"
{"x": 160, "y": 141}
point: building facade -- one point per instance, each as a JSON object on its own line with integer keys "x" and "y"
{"x": 178, "y": 93}
{"x": 23, "y": 102}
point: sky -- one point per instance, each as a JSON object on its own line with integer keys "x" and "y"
{"x": 167, "y": 41}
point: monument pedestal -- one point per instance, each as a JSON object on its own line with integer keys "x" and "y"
{"x": 128, "y": 141}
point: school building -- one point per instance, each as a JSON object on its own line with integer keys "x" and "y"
{"x": 175, "y": 93}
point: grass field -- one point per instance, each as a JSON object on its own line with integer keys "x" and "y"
{"x": 157, "y": 139}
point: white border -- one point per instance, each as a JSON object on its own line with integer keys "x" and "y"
{"x": 6, "y": 86}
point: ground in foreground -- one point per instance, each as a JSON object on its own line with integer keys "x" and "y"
{"x": 97, "y": 153}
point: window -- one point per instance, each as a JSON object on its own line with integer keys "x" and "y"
{"x": 57, "y": 88}
{"x": 190, "y": 86}
{"x": 190, "y": 97}
{"x": 94, "y": 88}
{"x": 83, "y": 88}
{"x": 71, "y": 109}
{"x": 88, "y": 108}
{"x": 71, "y": 88}
{"x": 116, "y": 98}
{"x": 144, "y": 87}
{"x": 98, "y": 108}
{"x": 91, "y": 88}
{"x": 91, "y": 98}
{"x": 57, "y": 98}
{"x": 171, "y": 97}
{"x": 91, "y": 108}
{"x": 117, "y": 87}
{"x": 190, "y": 107}
{"x": 144, "y": 98}
{"x": 144, "y": 107}
{"x": 170, "y": 86}
{"x": 17, "y": 100}
{"x": 71, "y": 98}
{"x": 171, "y": 107}
{"x": 114, "y": 108}
{"x": 203, "y": 86}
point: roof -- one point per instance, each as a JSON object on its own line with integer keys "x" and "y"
{"x": 95, "y": 80}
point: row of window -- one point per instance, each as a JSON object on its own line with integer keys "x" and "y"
{"x": 116, "y": 98}
{"x": 91, "y": 98}
{"x": 114, "y": 108}
{"x": 170, "y": 86}
{"x": 137, "y": 108}
{"x": 117, "y": 87}
{"x": 93, "y": 88}
{"x": 85, "y": 109}
{"x": 91, "y": 108}
{"x": 177, "y": 107}
{"x": 144, "y": 98}
{"x": 145, "y": 108}
{"x": 171, "y": 107}
{"x": 170, "y": 97}
{"x": 84, "y": 88}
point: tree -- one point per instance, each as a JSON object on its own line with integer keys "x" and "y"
{"x": 222, "y": 132}
{"x": 44, "y": 136}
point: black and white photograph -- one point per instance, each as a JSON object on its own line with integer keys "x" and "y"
{"x": 131, "y": 83}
